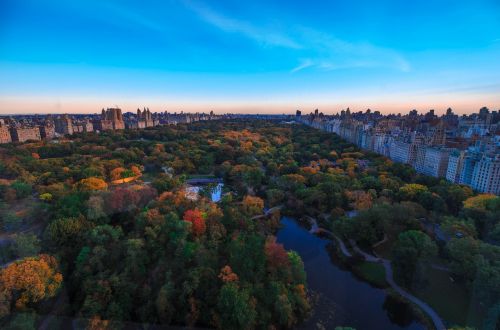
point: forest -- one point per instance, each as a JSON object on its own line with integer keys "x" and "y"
{"x": 99, "y": 228}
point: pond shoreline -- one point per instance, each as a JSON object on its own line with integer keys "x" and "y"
{"x": 343, "y": 299}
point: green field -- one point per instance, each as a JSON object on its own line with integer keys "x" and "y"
{"x": 372, "y": 272}
{"x": 451, "y": 299}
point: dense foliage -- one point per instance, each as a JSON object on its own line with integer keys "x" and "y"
{"x": 132, "y": 245}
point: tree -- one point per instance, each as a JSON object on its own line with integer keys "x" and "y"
{"x": 117, "y": 173}
{"x": 26, "y": 245}
{"x": 91, "y": 184}
{"x": 22, "y": 189}
{"x": 122, "y": 200}
{"x": 95, "y": 207}
{"x": 479, "y": 202}
{"x": 22, "y": 321}
{"x": 274, "y": 197}
{"x": 360, "y": 200}
{"x": 28, "y": 281}
{"x": 411, "y": 250}
{"x": 197, "y": 220}
{"x": 411, "y": 191}
{"x": 464, "y": 253}
{"x": 235, "y": 308}
{"x": 276, "y": 255}
{"x": 227, "y": 275}
{"x": 253, "y": 205}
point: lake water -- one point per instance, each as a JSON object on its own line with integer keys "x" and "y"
{"x": 343, "y": 299}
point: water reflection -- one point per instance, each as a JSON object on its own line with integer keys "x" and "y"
{"x": 339, "y": 297}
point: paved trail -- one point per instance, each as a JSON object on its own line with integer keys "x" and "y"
{"x": 315, "y": 229}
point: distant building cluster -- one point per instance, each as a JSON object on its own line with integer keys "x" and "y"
{"x": 463, "y": 149}
{"x": 22, "y": 128}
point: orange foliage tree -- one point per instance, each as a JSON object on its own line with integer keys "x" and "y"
{"x": 116, "y": 174}
{"x": 135, "y": 170}
{"x": 92, "y": 183}
{"x": 197, "y": 220}
{"x": 28, "y": 281}
{"x": 253, "y": 205}
{"x": 227, "y": 275}
{"x": 360, "y": 200}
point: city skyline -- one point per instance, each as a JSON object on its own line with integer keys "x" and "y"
{"x": 60, "y": 57}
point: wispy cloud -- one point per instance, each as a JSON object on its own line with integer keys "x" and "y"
{"x": 303, "y": 65}
{"x": 332, "y": 53}
{"x": 262, "y": 36}
{"x": 322, "y": 51}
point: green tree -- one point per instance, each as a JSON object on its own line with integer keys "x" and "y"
{"x": 26, "y": 245}
{"x": 411, "y": 251}
{"x": 234, "y": 308}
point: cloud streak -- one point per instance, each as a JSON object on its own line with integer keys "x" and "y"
{"x": 261, "y": 36}
{"x": 322, "y": 51}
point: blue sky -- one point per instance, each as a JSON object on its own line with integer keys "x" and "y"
{"x": 249, "y": 56}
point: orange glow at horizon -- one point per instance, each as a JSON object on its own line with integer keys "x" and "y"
{"x": 461, "y": 104}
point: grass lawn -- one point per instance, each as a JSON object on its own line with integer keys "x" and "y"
{"x": 451, "y": 300}
{"x": 371, "y": 272}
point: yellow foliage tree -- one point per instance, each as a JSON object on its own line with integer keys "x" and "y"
{"x": 92, "y": 183}
{"x": 411, "y": 190}
{"x": 479, "y": 202}
{"x": 28, "y": 281}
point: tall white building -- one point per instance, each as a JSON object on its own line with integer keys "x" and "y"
{"x": 433, "y": 161}
{"x": 486, "y": 175}
{"x": 403, "y": 152}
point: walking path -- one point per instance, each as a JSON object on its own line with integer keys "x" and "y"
{"x": 315, "y": 229}
{"x": 438, "y": 323}
{"x": 266, "y": 213}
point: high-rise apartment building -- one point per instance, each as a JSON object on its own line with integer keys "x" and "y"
{"x": 64, "y": 125}
{"x": 486, "y": 174}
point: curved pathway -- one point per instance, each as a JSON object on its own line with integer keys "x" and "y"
{"x": 266, "y": 213}
{"x": 438, "y": 323}
{"x": 315, "y": 229}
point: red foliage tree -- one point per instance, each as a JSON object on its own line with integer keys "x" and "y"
{"x": 276, "y": 255}
{"x": 122, "y": 199}
{"x": 195, "y": 217}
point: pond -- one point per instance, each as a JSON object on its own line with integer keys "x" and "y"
{"x": 342, "y": 299}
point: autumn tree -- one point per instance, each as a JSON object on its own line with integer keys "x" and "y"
{"x": 227, "y": 275}
{"x": 360, "y": 200}
{"x": 28, "y": 281}
{"x": 116, "y": 173}
{"x": 197, "y": 220}
{"x": 412, "y": 191}
{"x": 276, "y": 255}
{"x": 91, "y": 184}
{"x": 253, "y": 205}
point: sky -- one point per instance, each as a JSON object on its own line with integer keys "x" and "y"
{"x": 259, "y": 56}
